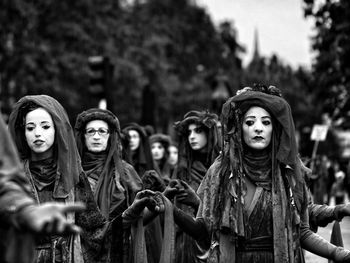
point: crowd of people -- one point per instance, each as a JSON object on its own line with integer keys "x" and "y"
{"x": 228, "y": 189}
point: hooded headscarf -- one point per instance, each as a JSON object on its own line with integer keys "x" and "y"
{"x": 187, "y": 159}
{"x": 227, "y": 184}
{"x": 162, "y": 167}
{"x": 142, "y": 158}
{"x": 109, "y": 192}
{"x": 68, "y": 160}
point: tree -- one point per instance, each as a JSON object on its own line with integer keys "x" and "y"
{"x": 331, "y": 42}
{"x": 50, "y": 45}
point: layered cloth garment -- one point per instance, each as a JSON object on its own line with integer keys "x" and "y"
{"x": 114, "y": 182}
{"x": 192, "y": 167}
{"x": 275, "y": 225}
{"x": 60, "y": 179}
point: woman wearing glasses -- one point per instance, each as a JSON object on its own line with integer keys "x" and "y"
{"x": 113, "y": 181}
{"x": 45, "y": 141}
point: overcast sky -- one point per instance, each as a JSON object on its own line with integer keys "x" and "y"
{"x": 281, "y": 27}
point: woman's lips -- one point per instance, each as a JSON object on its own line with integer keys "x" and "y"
{"x": 38, "y": 142}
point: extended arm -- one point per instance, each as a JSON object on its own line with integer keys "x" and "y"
{"x": 194, "y": 227}
{"x": 322, "y": 215}
{"x": 316, "y": 244}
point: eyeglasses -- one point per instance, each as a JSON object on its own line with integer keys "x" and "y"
{"x": 101, "y": 131}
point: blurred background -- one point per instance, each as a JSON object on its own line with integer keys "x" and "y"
{"x": 151, "y": 61}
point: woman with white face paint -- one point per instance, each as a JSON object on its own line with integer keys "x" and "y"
{"x": 160, "y": 152}
{"x": 198, "y": 147}
{"x": 113, "y": 181}
{"x": 254, "y": 203}
{"x": 138, "y": 151}
{"x": 45, "y": 141}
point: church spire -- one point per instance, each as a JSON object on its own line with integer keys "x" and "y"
{"x": 256, "y": 54}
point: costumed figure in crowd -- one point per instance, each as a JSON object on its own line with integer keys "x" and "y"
{"x": 45, "y": 141}
{"x": 254, "y": 201}
{"x": 138, "y": 152}
{"x": 199, "y": 145}
{"x": 173, "y": 157}
{"x": 21, "y": 219}
{"x": 113, "y": 181}
{"x": 160, "y": 152}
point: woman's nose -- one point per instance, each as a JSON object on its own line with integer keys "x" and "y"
{"x": 96, "y": 135}
{"x": 258, "y": 127}
{"x": 37, "y": 132}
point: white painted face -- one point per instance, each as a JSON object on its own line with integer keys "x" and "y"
{"x": 197, "y": 137}
{"x": 173, "y": 155}
{"x": 134, "y": 140}
{"x": 39, "y": 133}
{"x": 257, "y": 128}
{"x": 96, "y": 136}
{"x": 158, "y": 151}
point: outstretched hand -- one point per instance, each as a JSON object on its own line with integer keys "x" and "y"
{"x": 50, "y": 218}
{"x": 145, "y": 198}
{"x": 188, "y": 196}
{"x": 174, "y": 188}
{"x": 183, "y": 192}
{"x": 345, "y": 210}
{"x": 149, "y": 199}
{"x": 153, "y": 181}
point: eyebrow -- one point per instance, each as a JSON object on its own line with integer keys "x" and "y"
{"x": 254, "y": 117}
{"x": 43, "y": 122}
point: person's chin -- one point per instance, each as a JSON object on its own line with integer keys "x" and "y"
{"x": 96, "y": 150}
{"x": 258, "y": 146}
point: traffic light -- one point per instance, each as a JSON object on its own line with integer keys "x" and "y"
{"x": 100, "y": 77}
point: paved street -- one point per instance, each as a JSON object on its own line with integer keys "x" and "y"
{"x": 326, "y": 233}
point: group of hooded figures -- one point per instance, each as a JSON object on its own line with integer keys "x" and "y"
{"x": 236, "y": 194}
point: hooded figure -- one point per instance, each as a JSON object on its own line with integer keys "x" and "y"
{"x": 45, "y": 142}
{"x": 160, "y": 152}
{"x": 194, "y": 163}
{"x": 254, "y": 199}
{"x": 114, "y": 182}
{"x": 199, "y": 145}
{"x": 138, "y": 152}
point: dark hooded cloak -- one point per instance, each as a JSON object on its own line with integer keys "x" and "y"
{"x": 192, "y": 165}
{"x": 115, "y": 182}
{"x": 69, "y": 184}
{"x": 141, "y": 159}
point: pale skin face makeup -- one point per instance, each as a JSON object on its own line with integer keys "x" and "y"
{"x": 173, "y": 155}
{"x": 39, "y": 133}
{"x": 134, "y": 140}
{"x": 257, "y": 128}
{"x": 158, "y": 151}
{"x": 96, "y": 136}
{"x": 197, "y": 137}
